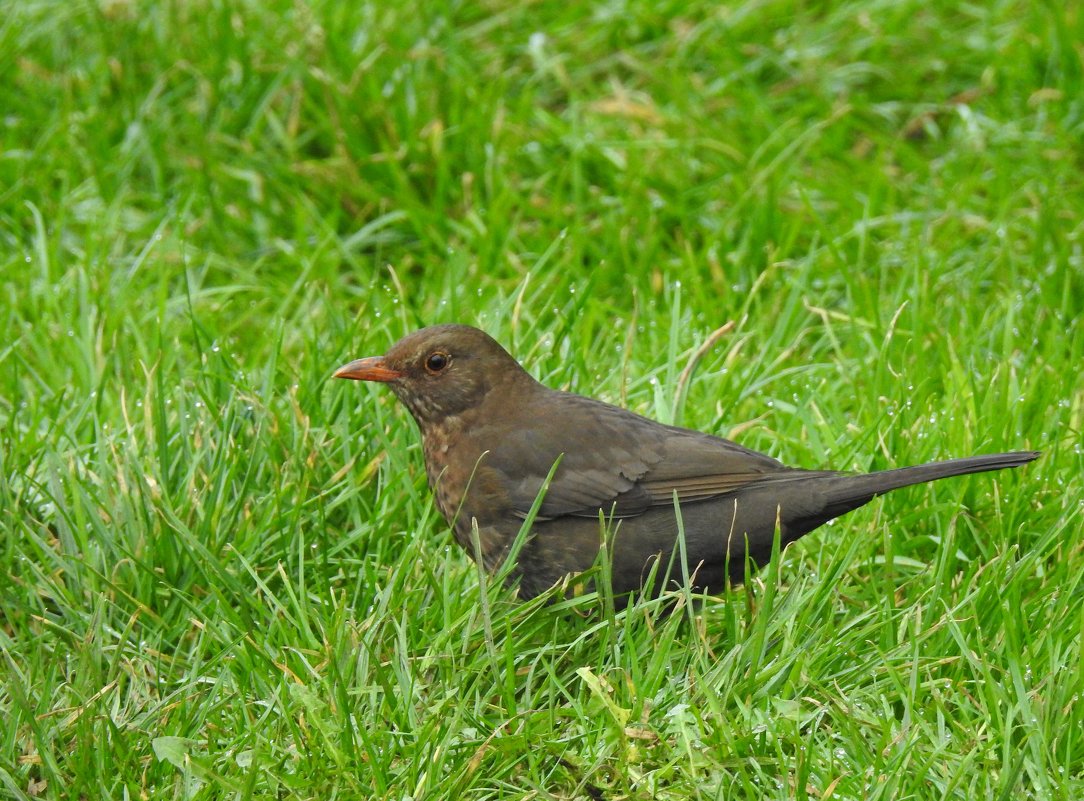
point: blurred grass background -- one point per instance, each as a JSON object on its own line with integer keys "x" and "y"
{"x": 223, "y": 576}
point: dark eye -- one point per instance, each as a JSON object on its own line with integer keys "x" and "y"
{"x": 437, "y": 362}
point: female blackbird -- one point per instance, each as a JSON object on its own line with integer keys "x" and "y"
{"x": 492, "y": 435}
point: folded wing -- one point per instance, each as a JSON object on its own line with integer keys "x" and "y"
{"x": 643, "y": 463}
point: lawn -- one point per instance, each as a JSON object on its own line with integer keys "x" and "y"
{"x": 221, "y": 571}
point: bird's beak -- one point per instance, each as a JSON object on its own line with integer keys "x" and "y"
{"x": 372, "y": 368}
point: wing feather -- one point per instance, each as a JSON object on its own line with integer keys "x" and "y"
{"x": 636, "y": 463}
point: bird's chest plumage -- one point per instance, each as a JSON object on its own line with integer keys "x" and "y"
{"x": 465, "y": 490}
{"x": 444, "y": 479}
{"x": 454, "y": 466}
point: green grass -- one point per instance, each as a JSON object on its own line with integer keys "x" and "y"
{"x": 221, "y": 574}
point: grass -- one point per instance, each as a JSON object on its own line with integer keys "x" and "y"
{"x": 222, "y": 574}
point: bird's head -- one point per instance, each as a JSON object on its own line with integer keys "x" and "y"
{"x": 441, "y": 371}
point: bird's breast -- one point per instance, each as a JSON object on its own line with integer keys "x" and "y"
{"x": 435, "y": 447}
{"x": 453, "y": 468}
{"x": 466, "y": 492}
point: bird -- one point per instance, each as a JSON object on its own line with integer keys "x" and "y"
{"x": 672, "y": 506}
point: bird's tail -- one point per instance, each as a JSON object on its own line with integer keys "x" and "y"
{"x": 846, "y": 492}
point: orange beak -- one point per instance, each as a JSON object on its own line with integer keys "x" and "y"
{"x": 372, "y": 368}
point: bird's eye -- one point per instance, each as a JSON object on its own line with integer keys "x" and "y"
{"x": 437, "y": 361}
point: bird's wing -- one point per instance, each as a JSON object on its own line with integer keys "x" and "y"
{"x": 616, "y": 462}
{"x": 698, "y": 466}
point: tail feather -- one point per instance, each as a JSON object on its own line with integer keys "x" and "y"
{"x": 847, "y": 492}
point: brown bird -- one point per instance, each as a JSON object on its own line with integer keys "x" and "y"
{"x": 492, "y": 434}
